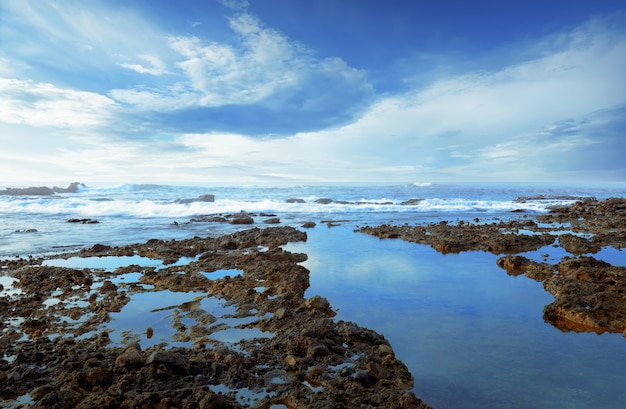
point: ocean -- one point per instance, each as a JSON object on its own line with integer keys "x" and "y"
{"x": 471, "y": 335}
{"x": 131, "y": 213}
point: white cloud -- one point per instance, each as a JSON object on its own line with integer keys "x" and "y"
{"x": 263, "y": 67}
{"x": 507, "y": 124}
{"x": 70, "y": 36}
{"x": 235, "y": 4}
{"x": 5, "y": 67}
{"x": 42, "y": 104}
{"x": 156, "y": 66}
{"x": 224, "y": 74}
{"x": 174, "y": 97}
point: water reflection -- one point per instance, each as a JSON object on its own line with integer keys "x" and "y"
{"x": 472, "y": 336}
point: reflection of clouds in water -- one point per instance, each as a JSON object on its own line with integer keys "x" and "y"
{"x": 462, "y": 320}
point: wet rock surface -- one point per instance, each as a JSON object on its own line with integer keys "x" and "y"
{"x": 590, "y": 294}
{"x": 61, "y": 348}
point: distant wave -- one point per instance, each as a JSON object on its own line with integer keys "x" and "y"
{"x": 421, "y": 184}
{"x": 81, "y": 206}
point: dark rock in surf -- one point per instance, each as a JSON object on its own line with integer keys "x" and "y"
{"x": 202, "y": 198}
{"x": 41, "y": 190}
{"x": 83, "y": 221}
{"x": 411, "y": 202}
{"x": 242, "y": 219}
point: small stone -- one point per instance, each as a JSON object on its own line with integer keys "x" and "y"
{"x": 168, "y": 358}
{"x": 376, "y": 370}
{"x": 385, "y": 349}
{"x": 291, "y": 360}
{"x": 315, "y": 371}
{"x": 318, "y": 303}
{"x": 98, "y": 375}
{"x": 130, "y": 357}
{"x": 242, "y": 219}
{"x": 365, "y": 378}
{"x": 318, "y": 350}
{"x": 280, "y": 313}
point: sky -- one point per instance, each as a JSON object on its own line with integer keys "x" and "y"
{"x": 290, "y": 92}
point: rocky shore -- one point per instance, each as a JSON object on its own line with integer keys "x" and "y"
{"x": 61, "y": 347}
{"x": 57, "y": 328}
{"x": 589, "y": 294}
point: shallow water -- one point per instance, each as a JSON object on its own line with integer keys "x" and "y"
{"x": 472, "y": 336}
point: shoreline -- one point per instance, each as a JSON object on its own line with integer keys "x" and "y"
{"x": 60, "y": 350}
{"x": 62, "y": 355}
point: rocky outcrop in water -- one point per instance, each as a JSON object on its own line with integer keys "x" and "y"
{"x": 202, "y": 198}
{"x": 41, "y": 190}
{"x": 57, "y": 348}
{"x": 589, "y": 294}
{"x": 496, "y": 238}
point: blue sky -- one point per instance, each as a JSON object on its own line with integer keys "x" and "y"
{"x": 315, "y": 91}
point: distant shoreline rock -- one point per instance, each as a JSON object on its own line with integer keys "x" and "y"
{"x": 541, "y": 197}
{"x": 202, "y": 198}
{"x": 41, "y": 190}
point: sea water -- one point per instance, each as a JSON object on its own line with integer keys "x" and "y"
{"x": 133, "y": 213}
{"x": 471, "y": 335}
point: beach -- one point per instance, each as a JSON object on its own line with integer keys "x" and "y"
{"x": 245, "y": 319}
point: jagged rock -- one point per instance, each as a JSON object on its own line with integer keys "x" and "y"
{"x": 41, "y": 190}
{"x": 130, "y": 357}
{"x": 83, "y": 221}
{"x": 202, "y": 198}
{"x": 301, "y": 335}
{"x": 411, "y": 202}
{"x": 578, "y": 245}
{"x": 242, "y": 219}
{"x": 169, "y": 358}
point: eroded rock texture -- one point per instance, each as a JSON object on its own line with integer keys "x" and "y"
{"x": 57, "y": 347}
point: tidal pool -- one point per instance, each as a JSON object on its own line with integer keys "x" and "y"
{"x": 110, "y": 263}
{"x": 471, "y": 335}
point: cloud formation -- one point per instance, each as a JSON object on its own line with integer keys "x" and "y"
{"x": 264, "y": 74}
{"x": 44, "y": 105}
{"x": 112, "y": 92}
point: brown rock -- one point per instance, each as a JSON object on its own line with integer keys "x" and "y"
{"x": 168, "y": 358}
{"x": 130, "y": 357}
{"x": 242, "y": 219}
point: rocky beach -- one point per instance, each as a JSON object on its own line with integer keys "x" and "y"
{"x": 61, "y": 347}
{"x": 59, "y": 354}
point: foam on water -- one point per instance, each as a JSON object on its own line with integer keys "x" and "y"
{"x": 133, "y": 213}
